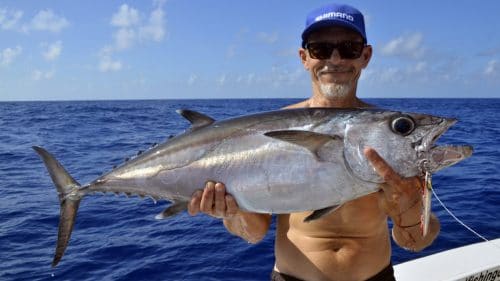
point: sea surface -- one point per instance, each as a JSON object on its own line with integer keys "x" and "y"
{"x": 118, "y": 238}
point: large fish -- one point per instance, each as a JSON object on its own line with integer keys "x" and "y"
{"x": 273, "y": 162}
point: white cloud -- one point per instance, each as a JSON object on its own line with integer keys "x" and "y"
{"x": 407, "y": 46}
{"x": 424, "y": 72}
{"x": 44, "y": 20}
{"x": 278, "y": 76}
{"x": 283, "y": 75}
{"x": 124, "y": 38}
{"x": 106, "y": 51}
{"x": 131, "y": 31}
{"x": 125, "y": 17}
{"x": 221, "y": 80}
{"x": 47, "y": 20}
{"x": 387, "y": 75}
{"x": 8, "y": 55}
{"x": 391, "y": 75}
{"x": 492, "y": 68}
{"x": 192, "y": 79}
{"x": 108, "y": 64}
{"x": 53, "y": 51}
{"x": 247, "y": 79}
{"x": 9, "y": 18}
{"x": 419, "y": 67}
{"x": 155, "y": 28}
{"x": 40, "y": 75}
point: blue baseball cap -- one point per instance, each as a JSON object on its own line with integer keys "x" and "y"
{"x": 334, "y": 15}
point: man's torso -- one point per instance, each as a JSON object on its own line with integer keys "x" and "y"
{"x": 351, "y": 243}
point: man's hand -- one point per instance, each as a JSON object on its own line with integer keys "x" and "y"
{"x": 214, "y": 201}
{"x": 401, "y": 199}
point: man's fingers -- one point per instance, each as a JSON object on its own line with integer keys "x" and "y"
{"x": 220, "y": 202}
{"x": 382, "y": 168}
{"x": 213, "y": 201}
{"x": 194, "y": 203}
{"x": 207, "y": 199}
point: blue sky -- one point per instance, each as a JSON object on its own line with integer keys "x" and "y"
{"x": 80, "y": 50}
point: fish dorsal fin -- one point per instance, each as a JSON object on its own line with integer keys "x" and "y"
{"x": 198, "y": 120}
{"x": 310, "y": 140}
{"x": 320, "y": 213}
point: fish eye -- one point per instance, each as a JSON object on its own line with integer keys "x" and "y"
{"x": 403, "y": 125}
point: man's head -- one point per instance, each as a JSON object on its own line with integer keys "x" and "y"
{"x": 334, "y": 15}
{"x": 334, "y": 49}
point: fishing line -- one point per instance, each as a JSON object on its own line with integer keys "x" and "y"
{"x": 457, "y": 219}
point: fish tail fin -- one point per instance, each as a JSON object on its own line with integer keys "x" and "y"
{"x": 69, "y": 198}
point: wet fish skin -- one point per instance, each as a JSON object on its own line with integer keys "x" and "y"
{"x": 274, "y": 162}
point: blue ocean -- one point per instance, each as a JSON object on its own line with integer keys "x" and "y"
{"x": 118, "y": 238}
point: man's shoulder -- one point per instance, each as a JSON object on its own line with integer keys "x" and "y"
{"x": 302, "y": 104}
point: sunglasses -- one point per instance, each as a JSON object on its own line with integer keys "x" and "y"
{"x": 347, "y": 49}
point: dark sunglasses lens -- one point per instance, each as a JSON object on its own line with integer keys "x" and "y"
{"x": 320, "y": 51}
{"x": 350, "y": 50}
{"x": 347, "y": 50}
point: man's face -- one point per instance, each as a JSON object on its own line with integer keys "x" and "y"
{"x": 335, "y": 75}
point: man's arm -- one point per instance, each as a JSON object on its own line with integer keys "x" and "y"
{"x": 214, "y": 201}
{"x": 401, "y": 199}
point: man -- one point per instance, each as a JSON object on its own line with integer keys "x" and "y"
{"x": 353, "y": 242}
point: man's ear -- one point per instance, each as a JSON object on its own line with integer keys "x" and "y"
{"x": 303, "y": 57}
{"x": 367, "y": 55}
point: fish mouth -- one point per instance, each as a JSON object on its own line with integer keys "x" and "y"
{"x": 438, "y": 129}
{"x": 439, "y": 157}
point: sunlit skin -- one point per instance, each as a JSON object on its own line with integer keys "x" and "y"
{"x": 352, "y": 243}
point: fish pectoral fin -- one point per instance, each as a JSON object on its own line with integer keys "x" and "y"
{"x": 172, "y": 210}
{"x": 198, "y": 120}
{"x": 320, "y": 213}
{"x": 310, "y": 140}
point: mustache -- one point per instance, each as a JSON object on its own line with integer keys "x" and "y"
{"x": 333, "y": 68}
